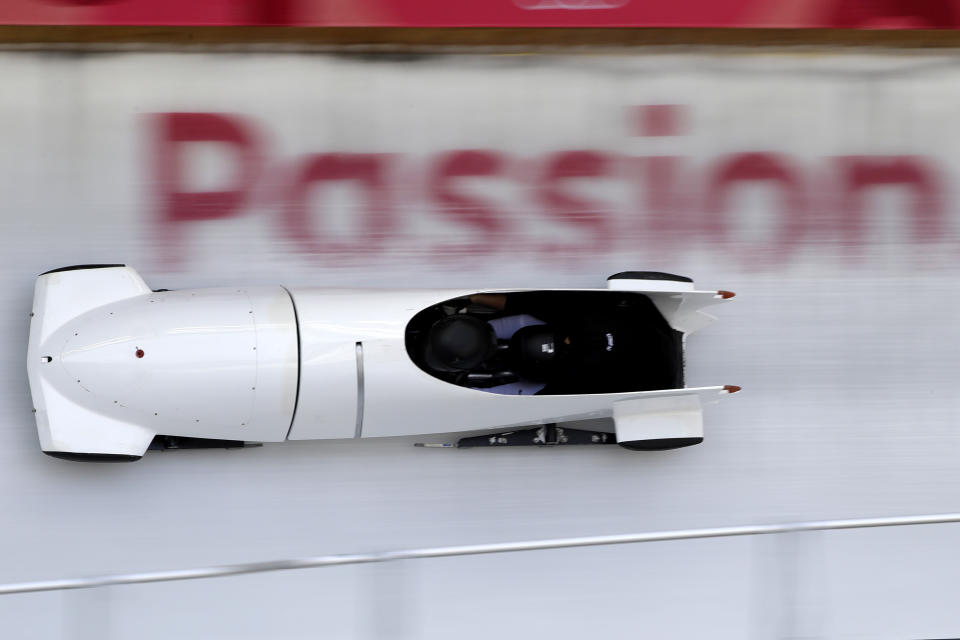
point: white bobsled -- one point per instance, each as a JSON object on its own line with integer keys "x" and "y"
{"x": 116, "y": 368}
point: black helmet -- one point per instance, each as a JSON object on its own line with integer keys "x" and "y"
{"x": 459, "y": 343}
{"x": 534, "y": 350}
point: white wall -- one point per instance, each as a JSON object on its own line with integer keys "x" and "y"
{"x": 844, "y": 258}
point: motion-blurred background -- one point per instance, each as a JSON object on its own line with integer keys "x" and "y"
{"x": 816, "y": 180}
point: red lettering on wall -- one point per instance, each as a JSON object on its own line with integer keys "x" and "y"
{"x": 665, "y": 200}
{"x": 660, "y": 119}
{"x": 751, "y": 167}
{"x": 673, "y": 202}
{"x": 375, "y": 214}
{"x": 860, "y": 173}
{"x": 562, "y": 205}
{"x": 477, "y": 214}
{"x": 174, "y": 204}
{"x": 173, "y": 132}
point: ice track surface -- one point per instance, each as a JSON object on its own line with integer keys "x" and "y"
{"x": 848, "y": 410}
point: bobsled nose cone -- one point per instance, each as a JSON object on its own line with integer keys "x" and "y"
{"x": 110, "y": 366}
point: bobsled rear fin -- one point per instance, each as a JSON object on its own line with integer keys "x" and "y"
{"x": 684, "y": 310}
{"x": 676, "y": 297}
{"x": 646, "y": 423}
{"x": 63, "y": 294}
{"x": 664, "y": 420}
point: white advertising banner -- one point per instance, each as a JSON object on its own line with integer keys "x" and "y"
{"x": 480, "y": 164}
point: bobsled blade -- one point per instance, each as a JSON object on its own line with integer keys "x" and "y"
{"x": 168, "y": 443}
{"x": 545, "y": 436}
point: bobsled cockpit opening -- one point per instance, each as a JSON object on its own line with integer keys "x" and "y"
{"x": 548, "y": 343}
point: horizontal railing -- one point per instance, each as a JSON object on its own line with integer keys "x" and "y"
{"x": 222, "y": 571}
